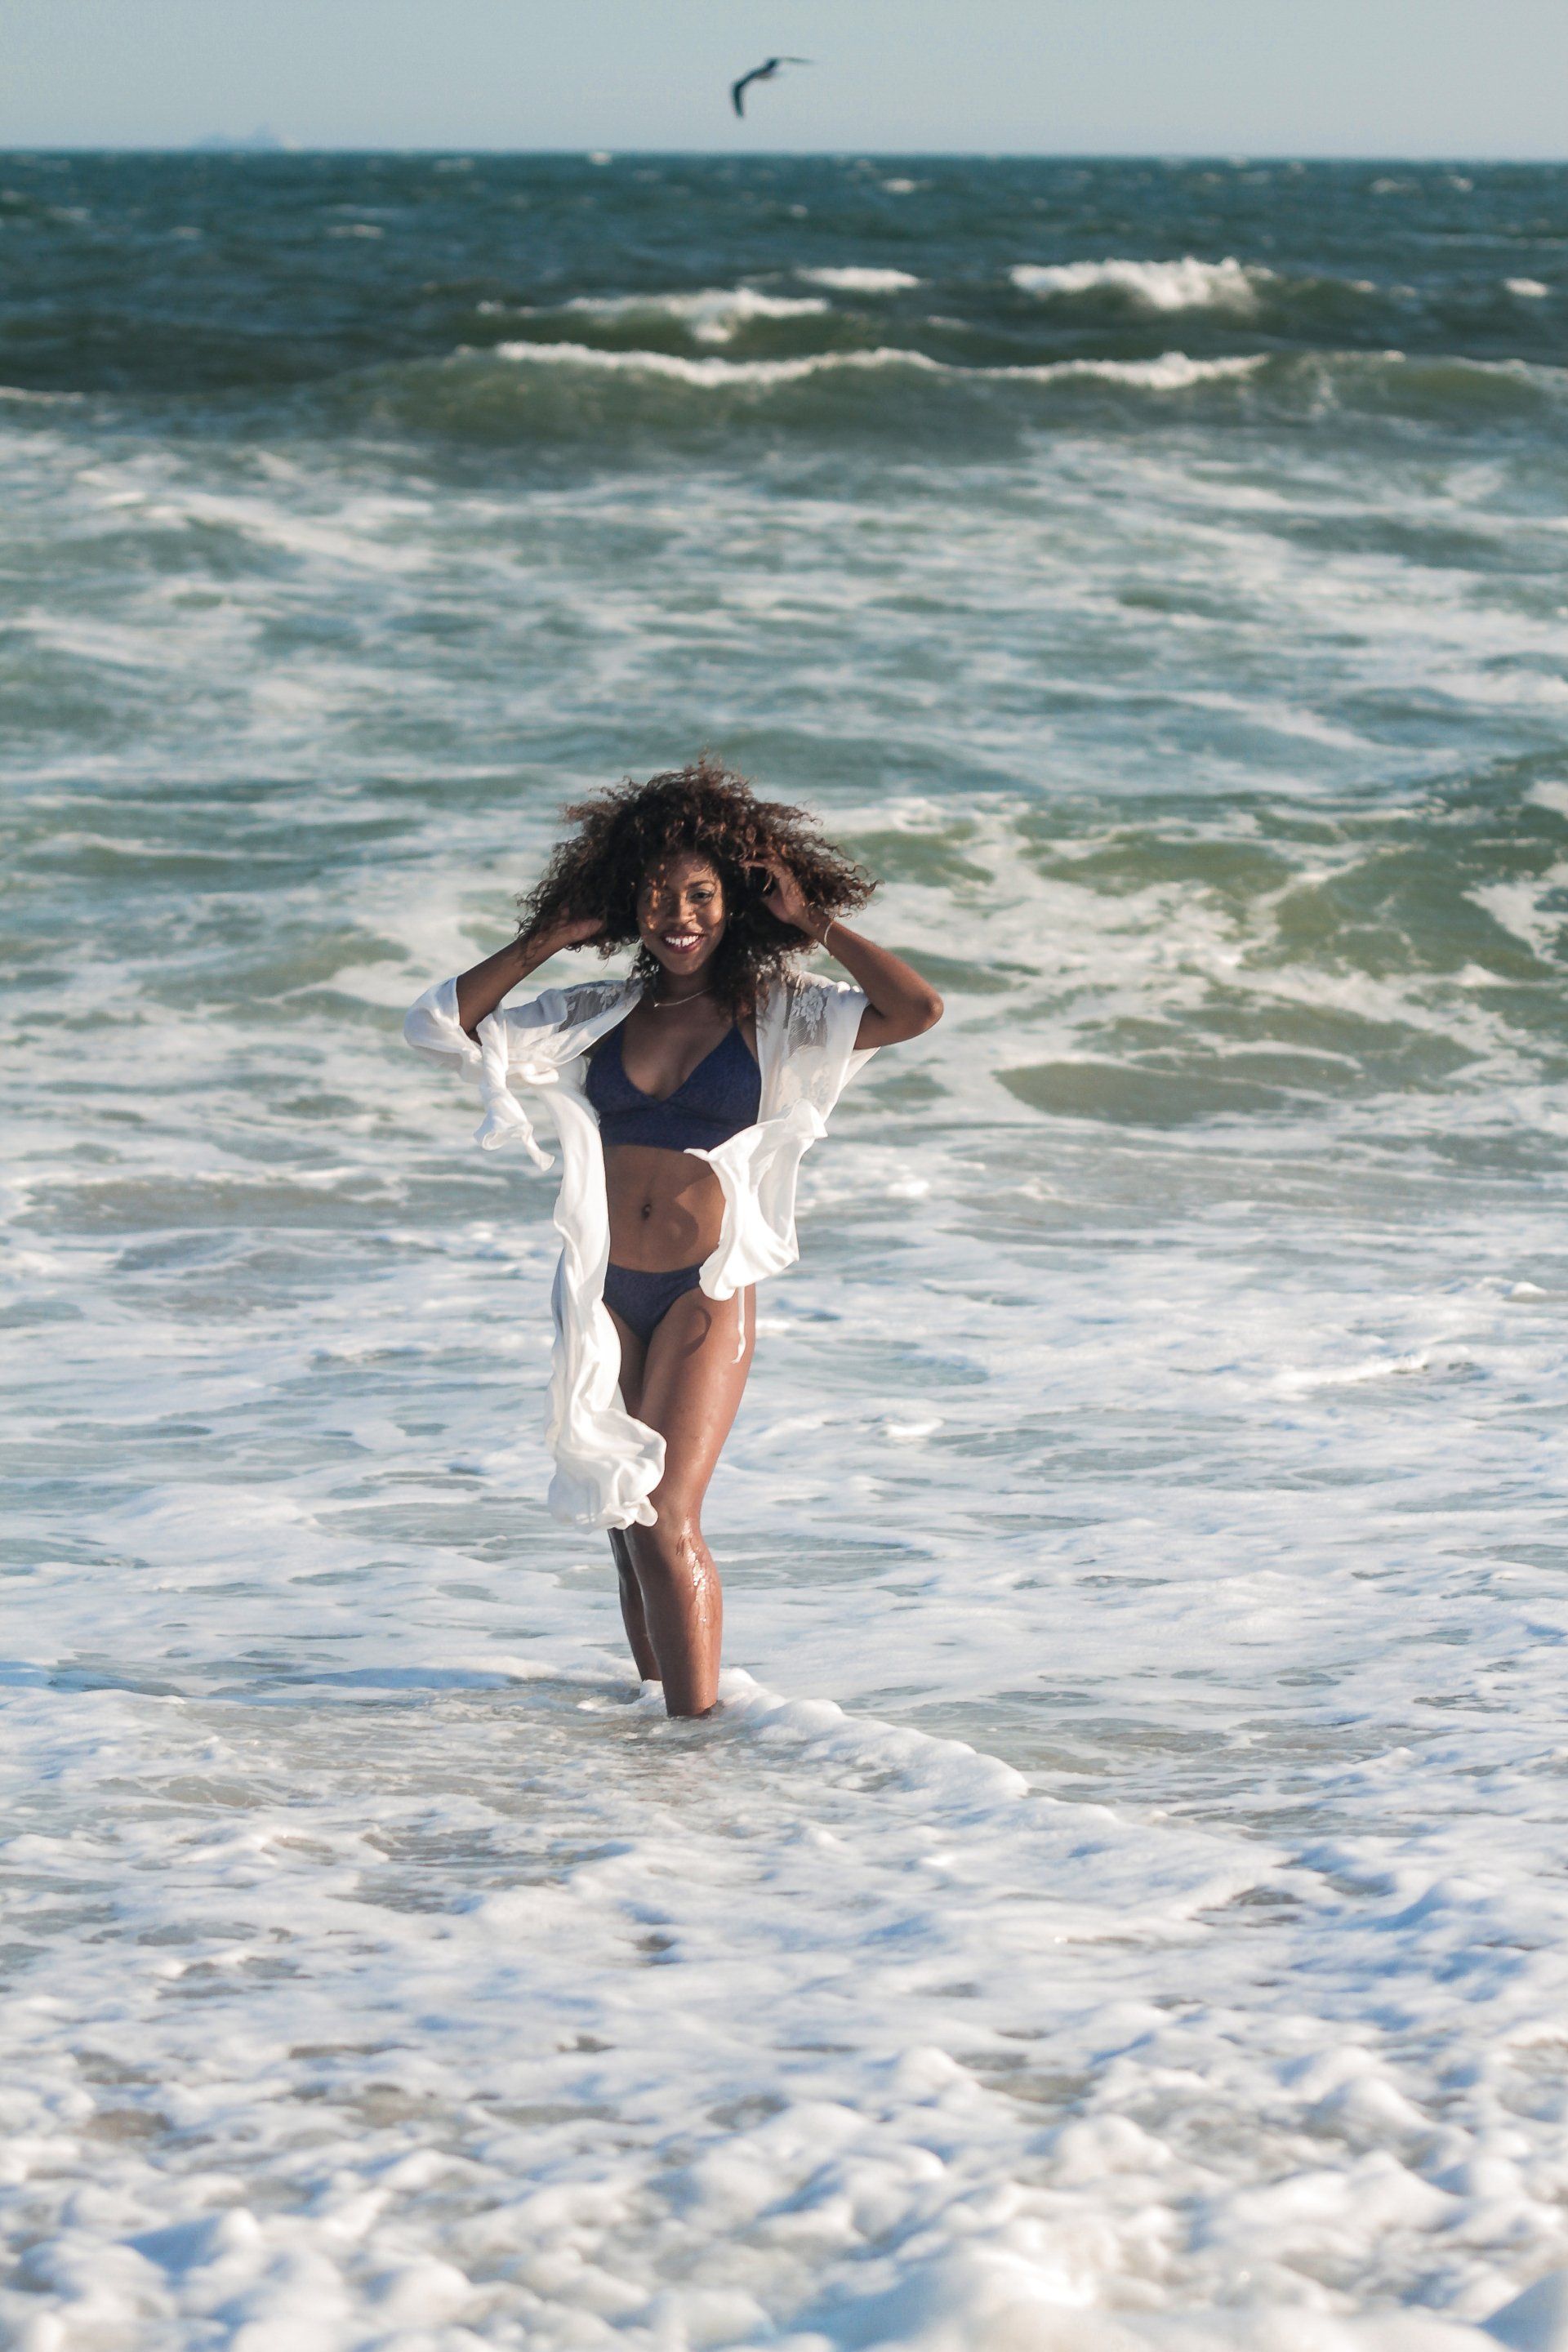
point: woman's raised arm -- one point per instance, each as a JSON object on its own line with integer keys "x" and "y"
{"x": 481, "y": 988}
{"x": 900, "y": 1004}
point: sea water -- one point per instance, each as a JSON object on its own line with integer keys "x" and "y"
{"x": 1120, "y": 1901}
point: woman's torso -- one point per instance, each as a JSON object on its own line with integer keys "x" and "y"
{"x": 663, "y": 1089}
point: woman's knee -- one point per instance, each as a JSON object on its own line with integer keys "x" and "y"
{"x": 673, "y": 1545}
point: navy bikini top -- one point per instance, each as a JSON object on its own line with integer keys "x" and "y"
{"x": 723, "y": 1095}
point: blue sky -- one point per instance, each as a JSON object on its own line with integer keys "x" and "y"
{"x": 1447, "y": 78}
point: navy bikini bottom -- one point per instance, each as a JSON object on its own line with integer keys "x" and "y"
{"x": 643, "y": 1300}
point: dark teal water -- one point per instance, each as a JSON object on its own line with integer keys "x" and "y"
{"x": 209, "y": 275}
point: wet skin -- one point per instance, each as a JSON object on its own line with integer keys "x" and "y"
{"x": 666, "y": 1210}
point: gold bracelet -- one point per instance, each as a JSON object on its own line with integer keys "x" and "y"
{"x": 826, "y": 928}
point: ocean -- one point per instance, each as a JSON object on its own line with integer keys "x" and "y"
{"x": 1121, "y": 1902}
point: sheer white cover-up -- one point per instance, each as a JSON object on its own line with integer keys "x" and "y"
{"x": 608, "y": 1463}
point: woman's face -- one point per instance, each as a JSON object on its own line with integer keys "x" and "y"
{"x": 680, "y": 912}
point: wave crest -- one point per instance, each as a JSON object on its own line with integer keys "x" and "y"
{"x": 1185, "y": 285}
{"x": 850, "y": 280}
{"x": 1172, "y": 372}
{"x": 711, "y": 314}
{"x": 619, "y": 406}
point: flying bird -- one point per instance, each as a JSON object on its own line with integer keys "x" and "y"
{"x": 758, "y": 73}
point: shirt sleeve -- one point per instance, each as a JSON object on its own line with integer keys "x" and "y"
{"x": 821, "y": 1057}
{"x": 432, "y": 1028}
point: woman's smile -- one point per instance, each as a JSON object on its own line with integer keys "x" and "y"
{"x": 680, "y": 912}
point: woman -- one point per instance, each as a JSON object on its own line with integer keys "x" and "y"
{"x": 684, "y": 1098}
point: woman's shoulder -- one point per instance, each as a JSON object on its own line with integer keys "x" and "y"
{"x": 793, "y": 988}
{"x": 805, "y": 1004}
{"x": 568, "y": 1007}
{"x": 587, "y": 998}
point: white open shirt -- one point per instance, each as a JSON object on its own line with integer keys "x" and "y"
{"x": 607, "y": 1462}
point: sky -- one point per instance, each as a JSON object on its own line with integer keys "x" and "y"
{"x": 1380, "y": 78}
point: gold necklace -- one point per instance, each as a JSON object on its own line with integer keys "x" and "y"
{"x": 663, "y": 1003}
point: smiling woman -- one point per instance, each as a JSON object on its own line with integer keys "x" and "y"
{"x": 684, "y": 1096}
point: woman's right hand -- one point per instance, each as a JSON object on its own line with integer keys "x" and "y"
{"x": 571, "y": 932}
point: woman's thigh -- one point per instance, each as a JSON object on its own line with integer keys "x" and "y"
{"x": 632, "y": 1353}
{"x": 693, "y": 1377}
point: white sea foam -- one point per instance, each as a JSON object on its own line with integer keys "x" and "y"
{"x": 1531, "y": 912}
{"x": 711, "y": 315}
{"x": 709, "y": 374}
{"x": 1185, "y": 285}
{"x": 1172, "y": 372}
{"x": 860, "y": 280}
{"x": 27, "y": 397}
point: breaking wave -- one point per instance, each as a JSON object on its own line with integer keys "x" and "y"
{"x": 1185, "y": 285}
{"x": 1172, "y": 372}
{"x": 712, "y": 314}
{"x": 849, "y": 280}
{"x": 535, "y": 394}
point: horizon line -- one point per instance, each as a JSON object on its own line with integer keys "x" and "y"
{"x": 216, "y": 147}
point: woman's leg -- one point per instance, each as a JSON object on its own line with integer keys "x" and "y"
{"x": 632, "y": 1616}
{"x": 692, "y": 1382}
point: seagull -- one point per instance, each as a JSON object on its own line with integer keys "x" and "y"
{"x": 760, "y": 73}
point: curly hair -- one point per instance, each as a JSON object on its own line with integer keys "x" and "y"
{"x": 625, "y": 833}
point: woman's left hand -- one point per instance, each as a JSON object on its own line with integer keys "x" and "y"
{"x": 784, "y": 899}
{"x": 898, "y": 1003}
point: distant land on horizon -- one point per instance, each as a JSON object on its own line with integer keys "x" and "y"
{"x": 262, "y": 140}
